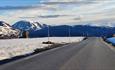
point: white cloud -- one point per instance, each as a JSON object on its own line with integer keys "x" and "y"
{"x": 94, "y": 11}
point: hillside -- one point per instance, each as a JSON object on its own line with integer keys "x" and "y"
{"x": 77, "y": 30}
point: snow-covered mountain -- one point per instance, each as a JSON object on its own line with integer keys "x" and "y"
{"x": 4, "y": 24}
{"x": 7, "y": 32}
{"x": 26, "y": 25}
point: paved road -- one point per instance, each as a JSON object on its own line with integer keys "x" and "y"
{"x": 91, "y": 54}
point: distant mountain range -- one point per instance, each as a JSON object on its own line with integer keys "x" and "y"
{"x": 36, "y": 29}
{"x": 77, "y": 30}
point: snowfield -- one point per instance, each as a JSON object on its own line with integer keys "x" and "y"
{"x": 15, "y": 47}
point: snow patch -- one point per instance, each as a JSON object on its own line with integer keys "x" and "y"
{"x": 15, "y": 47}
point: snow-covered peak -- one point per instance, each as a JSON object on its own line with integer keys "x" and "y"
{"x": 37, "y": 25}
{"x": 4, "y": 24}
{"x": 26, "y": 25}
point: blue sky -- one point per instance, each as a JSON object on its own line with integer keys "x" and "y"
{"x": 18, "y": 2}
{"x": 96, "y": 12}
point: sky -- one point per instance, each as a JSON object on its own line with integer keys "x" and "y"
{"x": 56, "y": 12}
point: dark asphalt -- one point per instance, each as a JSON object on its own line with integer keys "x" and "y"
{"x": 91, "y": 54}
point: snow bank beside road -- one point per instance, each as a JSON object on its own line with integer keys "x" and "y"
{"x": 15, "y": 47}
{"x": 66, "y": 39}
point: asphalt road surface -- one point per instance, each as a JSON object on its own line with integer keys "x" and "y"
{"x": 91, "y": 54}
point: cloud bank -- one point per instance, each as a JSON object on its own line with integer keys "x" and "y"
{"x": 61, "y": 12}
